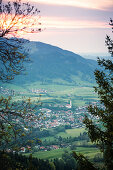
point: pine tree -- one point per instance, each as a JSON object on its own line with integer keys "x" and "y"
{"x": 101, "y": 131}
{"x": 102, "y": 134}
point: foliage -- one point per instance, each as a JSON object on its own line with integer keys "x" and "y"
{"x": 12, "y": 56}
{"x": 17, "y": 161}
{"x": 15, "y": 18}
{"x": 67, "y": 162}
{"x": 103, "y": 135}
{"x": 59, "y": 140}
{"x": 83, "y": 162}
{"x": 16, "y": 118}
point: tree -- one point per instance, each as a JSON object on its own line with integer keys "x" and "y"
{"x": 102, "y": 134}
{"x": 83, "y": 163}
{"x": 16, "y": 120}
{"x": 16, "y": 18}
{"x": 70, "y": 162}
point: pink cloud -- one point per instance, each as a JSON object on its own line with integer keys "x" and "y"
{"x": 91, "y": 4}
{"x": 68, "y": 23}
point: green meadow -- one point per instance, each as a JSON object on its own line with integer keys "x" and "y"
{"x": 80, "y": 96}
{"x": 88, "y": 151}
{"x": 57, "y": 153}
{"x": 69, "y": 132}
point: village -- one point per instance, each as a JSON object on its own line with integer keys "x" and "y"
{"x": 60, "y": 117}
{"x": 54, "y": 115}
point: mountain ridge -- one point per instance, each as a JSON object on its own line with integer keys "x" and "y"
{"x": 51, "y": 63}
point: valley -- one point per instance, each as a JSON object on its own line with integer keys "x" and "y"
{"x": 63, "y": 108}
{"x": 60, "y": 83}
{"x": 56, "y": 85}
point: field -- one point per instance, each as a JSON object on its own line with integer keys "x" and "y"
{"x": 60, "y": 94}
{"x": 89, "y": 152}
{"x": 80, "y": 96}
{"x": 49, "y": 154}
{"x": 69, "y": 132}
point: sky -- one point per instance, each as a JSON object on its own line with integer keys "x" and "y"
{"x": 75, "y": 25}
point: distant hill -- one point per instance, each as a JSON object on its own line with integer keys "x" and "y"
{"x": 51, "y": 64}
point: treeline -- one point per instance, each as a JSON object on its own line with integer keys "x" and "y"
{"x": 35, "y": 137}
{"x": 58, "y": 140}
{"x": 37, "y": 134}
{"x": 15, "y": 161}
{"x": 67, "y": 162}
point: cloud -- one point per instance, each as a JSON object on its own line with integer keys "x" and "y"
{"x": 69, "y": 23}
{"x": 91, "y": 4}
{"x": 54, "y": 16}
{"x": 73, "y": 13}
{"x": 76, "y": 25}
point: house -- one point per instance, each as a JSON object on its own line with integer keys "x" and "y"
{"x": 54, "y": 147}
{"x": 22, "y": 149}
{"x": 42, "y": 148}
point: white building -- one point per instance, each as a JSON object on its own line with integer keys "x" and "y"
{"x": 69, "y": 105}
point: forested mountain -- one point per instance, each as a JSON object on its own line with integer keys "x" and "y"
{"x": 50, "y": 64}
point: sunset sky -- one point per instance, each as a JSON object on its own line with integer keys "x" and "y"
{"x": 76, "y": 25}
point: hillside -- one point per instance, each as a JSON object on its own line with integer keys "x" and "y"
{"x": 51, "y": 64}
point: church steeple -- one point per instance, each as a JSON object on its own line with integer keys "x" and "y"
{"x": 69, "y": 105}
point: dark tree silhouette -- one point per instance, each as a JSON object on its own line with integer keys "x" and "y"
{"x": 16, "y": 18}
{"x": 16, "y": 121}
{"x": 102, "y": 135}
